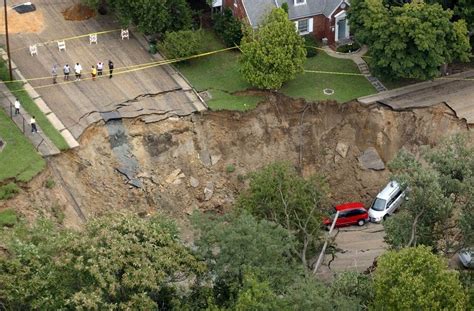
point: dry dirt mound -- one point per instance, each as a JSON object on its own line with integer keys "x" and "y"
{"x": 184, "y": 163}
{"x": 78, "y": 12}
{"x": 22, "y": 23}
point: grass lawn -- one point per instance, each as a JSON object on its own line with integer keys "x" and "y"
{"x": 7, "y": 218}
{"x": 219, "y": 75}
{"x": 310, "y": 86}
{"x": 29, "y": 105}
{"x": 19, "y": 158}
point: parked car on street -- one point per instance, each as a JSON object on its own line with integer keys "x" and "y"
{"x": 466, "y": 256}
{"x": 349, "y": 214}
{"x": 386, "y": 202}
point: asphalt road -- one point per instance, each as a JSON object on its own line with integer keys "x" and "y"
{"x": 153, "y": 91}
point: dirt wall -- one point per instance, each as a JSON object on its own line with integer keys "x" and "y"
{"x": 200, "y": 162}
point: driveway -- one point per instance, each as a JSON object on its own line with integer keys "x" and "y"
{"x": 151, "y": 94}
{"x": 357, "y": 247}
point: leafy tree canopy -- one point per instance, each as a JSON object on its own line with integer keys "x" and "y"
{"x": 278, "y": 193}
{"x": 440, "y": 207}
{"x": 156, "y": 16}
{"x": 117, "y": 262}
{"x": 237, "y": 243}
{"x": 272, "y": 54}
{"x": 409, "y": 41}
{"x": 416, "y": 279}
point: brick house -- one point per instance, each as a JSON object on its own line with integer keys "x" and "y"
{"x": 325, "y": 19}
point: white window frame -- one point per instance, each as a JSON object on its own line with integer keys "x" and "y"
{"x": 235, "y": 3}
{"x": 309, "y": 29}
{"x": 296, "y": 3}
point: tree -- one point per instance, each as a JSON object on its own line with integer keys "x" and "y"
{"x": 234, "y": 244}
{"x": 440, "y": 207}
{"x": 355, "y": 286}
{"x": 416, "y": 279}
{"x": 156, "y": 16}
{"x": 272, "y": 54}
{"x": 277, "y": 193}
{"x": 181, "y": 44}
{"x": 228, "y": 28}
{"x": 117, "y": 262}
{"x": 409, "y": 41}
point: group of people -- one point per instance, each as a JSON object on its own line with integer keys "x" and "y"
{"x": 96, "y": 70}
{"x": 17, "y": 105}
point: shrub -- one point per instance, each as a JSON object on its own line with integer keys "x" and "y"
{"x": 311, "y": 43}
{"x": 50, "y": 183}
{"x": 230, "y": 168}
{"x": 8, "y": 191}
{"x": 348, "y": 48}
{"x": 228, "y": 28}
{"x": 183, "y": 43}
{"x": 8, "y": 218}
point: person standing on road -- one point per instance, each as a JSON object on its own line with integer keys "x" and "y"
{"x": 78, "y": 71}
{"x": 33, "y": 125}
{"x": 66, "y": 70}
{"x": 54, "y": 73}
{"x": 111, "y": 69}
{"x": 100, "y": 68}
{"x": 17, "y": 106}
{"x": 93, "y": 72}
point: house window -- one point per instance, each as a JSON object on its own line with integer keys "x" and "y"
{"x": 235, "y": 3}
{"x": 300, "y": 2}
{"x": 303, "y": 26}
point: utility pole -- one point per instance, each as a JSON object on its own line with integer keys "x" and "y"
{"x": 8, "y": 41}
{"x": 321, "y": 255}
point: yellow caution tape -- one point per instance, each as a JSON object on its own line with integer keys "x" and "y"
{"x": 140, "y": 67}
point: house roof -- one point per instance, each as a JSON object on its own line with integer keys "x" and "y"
{"x": 257, "y": 10}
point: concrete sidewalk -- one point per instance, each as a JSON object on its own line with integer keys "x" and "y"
{"x": 356, "y": 57}
{"x": 39, "y": 140}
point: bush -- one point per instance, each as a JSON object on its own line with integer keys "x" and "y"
{"x": 50, "y": 183}
{"x": 180, "y": 44}
{"x": 348, "y": 48}
{"x": 311, "y": 43}
{"x": 228, "y": 28}
{"x": 230, "y": 168}
{"x": 7, "y": 218}
{"x": 8, "y": 191}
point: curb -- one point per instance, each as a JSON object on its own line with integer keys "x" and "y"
{"x": 41, "y": 104}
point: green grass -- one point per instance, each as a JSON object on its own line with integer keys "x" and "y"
{"x": 219, "y": 75}
{"x": 7, "y": 218}
{"x": 310, "y": 86}
{"x": 29, "y": 105}
{"x": 19, "y": 159}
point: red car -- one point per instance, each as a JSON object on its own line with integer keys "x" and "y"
{"x": 349, "y": 214}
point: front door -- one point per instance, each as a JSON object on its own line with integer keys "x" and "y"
{"x": 341, "y": 29}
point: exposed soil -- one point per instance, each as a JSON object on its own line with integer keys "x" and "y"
{"x": 78, "y": 12}
{"x": 22, "y": 23}
{"x": 179, "y": 158}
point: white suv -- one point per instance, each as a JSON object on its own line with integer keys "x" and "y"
{"x": 386, "y": 202}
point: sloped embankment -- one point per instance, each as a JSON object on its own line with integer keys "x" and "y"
{"x": 201, "y": 161}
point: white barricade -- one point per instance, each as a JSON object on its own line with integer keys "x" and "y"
{"x": 93, "y": 38}
{"x": 124, "y": 34}
{"x": 61, "y": 45}
{"x": 33, "y": 50}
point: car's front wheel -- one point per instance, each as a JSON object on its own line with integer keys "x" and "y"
{"x": 361, "y": 222}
